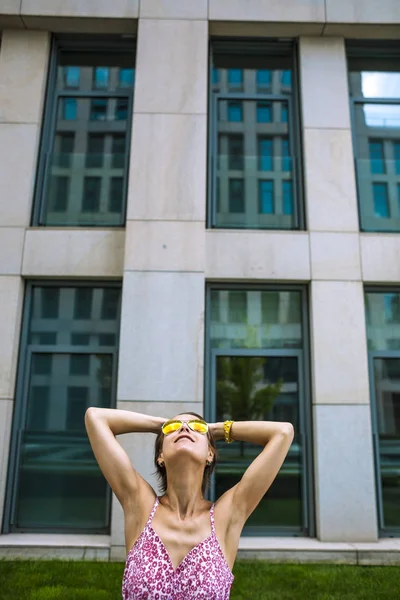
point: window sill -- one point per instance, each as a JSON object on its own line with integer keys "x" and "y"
{"x": 55, "y": 546}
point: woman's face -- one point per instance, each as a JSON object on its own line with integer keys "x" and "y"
{"x": 186, "y": 443}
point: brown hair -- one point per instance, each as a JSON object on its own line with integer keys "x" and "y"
{"x": 161, "y": 471}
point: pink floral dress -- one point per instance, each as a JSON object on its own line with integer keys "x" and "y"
{"x": 149, "y": 574}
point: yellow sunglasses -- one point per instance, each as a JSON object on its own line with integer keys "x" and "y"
{"x": 175, "y": 424}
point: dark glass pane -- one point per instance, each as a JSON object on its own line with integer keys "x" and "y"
{"x": 79, "y": 364}
{"x": 264, "y": 112}
{"x": 83, "y": 303}
{"x": 256, "y": 319}
{"x": 64, "y": 148}
{"x": 60, "y": 483}
{"x": 381, "y": 201}
{"x": 59, "y": 192}
{"x": 95, "y": 150}
{"x": 376, "y": 156}
{"x": 101, "y": 77}
{"x": 235, "y": 151}
{"x": 116, "y": 194}
{"x": 72, "y": 77}
{"x": 91, "y": 194}
{"x": 50, "y": 302}
{"x": 235, "y": 78}
{"x": 383, "y": 320}
{"x": 98, "y": 110}
{"x": 235, "y": 111}
{"x": 266, "y": 192}
{"x": 38, "y": 406}
{"x": 118, "y": 151}
{"x": 286, "y": 78}
{"x": 264, "y": 78}
{"x": 80, "y": 339}
{"x": 110, "y": 304}
{"x": 121, "y": 111}
{"x": 396, "y": 151}
{"x": 259, "y": 152}
{"x": 107, "y": 339}
{"x": 78, "y": 401}
{"x": 126, "y": 77}
{"x": 287, "y": 189}
{"x": 265, "y": 154}
{"x": 264, "y": 388}
{"x": 387, "y": 397}
{"x": 69, "y": 109}
{"x": 236, "y": 196}
{"x": 78, "y": 315}
{"x": 286, "y": 158}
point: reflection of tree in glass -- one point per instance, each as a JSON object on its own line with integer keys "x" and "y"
{"x": 241, "y": 394}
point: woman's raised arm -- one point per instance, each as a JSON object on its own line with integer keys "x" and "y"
{"x": 102, "y": 425}
{"x": 276, "y": 437}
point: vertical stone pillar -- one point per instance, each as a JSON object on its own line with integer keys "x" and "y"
{"x": 23, "y": 74}
{"x": 344, "y": 465}
{"x": 162, "y": 330}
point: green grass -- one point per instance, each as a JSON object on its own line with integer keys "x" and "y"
{"x": 70, "y": 580}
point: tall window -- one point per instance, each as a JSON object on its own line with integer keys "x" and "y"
{"x": 68, "y": 362}
{"x": 256, "y": 347}
{"x": 89, "y": 105}
{"x": 383, "y": 329}
{"x": 253, "y": 100}
{"x": 374, "y": 81}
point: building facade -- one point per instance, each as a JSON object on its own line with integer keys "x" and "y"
{"x": 200, "y": 211}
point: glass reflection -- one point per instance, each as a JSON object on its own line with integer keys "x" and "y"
{"x": 255, "y": 319}
{"x": 382, "y": 115}
{"x": 84, "y": 167}
{"x": 264, "y": 388}
{"x": 387, "y": 394}
{"x": 380, "y": 84}
{"x": 60, "y": 484}
{"x": 254, "y": 165}
{"x": 383, "y": 320}
{"x": 74, "y": 316}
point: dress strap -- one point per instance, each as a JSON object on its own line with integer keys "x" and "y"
{"x": 212, "y": 519}
{"x": 153, "y": 510}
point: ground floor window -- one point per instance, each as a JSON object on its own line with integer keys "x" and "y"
{"x": 257, "y": 369}
{"x": 68, "y": 361}
{"x": 383, "y": 329}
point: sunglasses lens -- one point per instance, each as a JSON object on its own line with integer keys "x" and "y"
{"x": 171, "y": 426}
{"x": 199, "y": 426}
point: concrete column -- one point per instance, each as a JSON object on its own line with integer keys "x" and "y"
{"x": 23, "y": 71}
{"x": 162, "y": 329}
{"x": 344, "y": 466}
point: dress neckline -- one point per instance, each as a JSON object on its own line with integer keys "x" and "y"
{"x": 175, "y": 569}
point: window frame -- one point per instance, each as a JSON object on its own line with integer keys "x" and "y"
{"x": 383, "y": 531}
{"x": 294, "y": 132}
{"x": 25, "y": 354}
{"x": 49, "y": 122}
{"x": 308, "y": 528}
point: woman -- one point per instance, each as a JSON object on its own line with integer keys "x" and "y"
{"x": 180, "y": 546}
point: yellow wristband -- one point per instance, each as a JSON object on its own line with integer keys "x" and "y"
{"x": 227, "y": 431}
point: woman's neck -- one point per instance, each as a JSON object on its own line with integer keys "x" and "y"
{"x": 184, "y": 495}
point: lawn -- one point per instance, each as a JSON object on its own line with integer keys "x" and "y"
{"x": 63, "y": 580}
